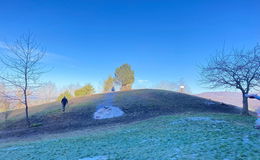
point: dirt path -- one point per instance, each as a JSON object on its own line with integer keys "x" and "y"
{"x": 107, "y": 100}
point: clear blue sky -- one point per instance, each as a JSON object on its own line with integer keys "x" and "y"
{"x": 162, "y": 40}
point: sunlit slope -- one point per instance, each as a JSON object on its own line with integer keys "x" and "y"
{"x": 137, "y": 105}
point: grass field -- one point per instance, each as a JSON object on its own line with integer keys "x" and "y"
{"x": 184, "y": 136}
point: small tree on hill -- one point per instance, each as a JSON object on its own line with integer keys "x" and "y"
{"x": 239, "y": 69}
{"x": 73, "y": 87}
{"x": 67, "y": 94}
{"x": 4, "y": 102}
{"x": 5, "y": 107}
{"x": 86, "y": 90}
{"x": 124, "y": 76}
{"x": 47, "y": 93}
{"x": 108, "y": 84}
{"x": 22, "y": 67}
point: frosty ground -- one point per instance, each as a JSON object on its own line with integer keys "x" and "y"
{"x": 183, "y": 136}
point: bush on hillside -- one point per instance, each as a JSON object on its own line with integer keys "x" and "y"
{"x": 67, "y": 94}
{"x": 86, "y": 90}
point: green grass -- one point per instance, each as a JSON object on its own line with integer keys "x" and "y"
{"x": 219, "y": 136}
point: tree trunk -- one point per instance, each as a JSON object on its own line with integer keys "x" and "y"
{"x": 126, "y": 87}
{"x": 27, "y": 115}
{"x": 245, "y": 105}
{"x": 26, "y": 109}
{"x": 6, "y": 117}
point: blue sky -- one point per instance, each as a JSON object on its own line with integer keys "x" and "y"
{"x": 162, "y": 40}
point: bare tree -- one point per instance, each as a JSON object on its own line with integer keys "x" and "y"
{"x": 239, "y": 69}
{"x": 46, "y": 93}
{"x": 23, "y": 67}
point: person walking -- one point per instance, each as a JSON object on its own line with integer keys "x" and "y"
{"x": 64, "y": 102}
{"x": 113, "y": 89}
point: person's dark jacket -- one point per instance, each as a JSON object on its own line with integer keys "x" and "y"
{"x": 64, "y": 101}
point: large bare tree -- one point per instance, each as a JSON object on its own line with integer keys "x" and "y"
{"x": 239, "y": 69}
{"x": 22, "y": 67}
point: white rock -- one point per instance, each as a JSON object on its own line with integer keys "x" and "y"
{"x": 108, "y": 112}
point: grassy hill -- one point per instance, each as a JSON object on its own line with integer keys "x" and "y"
{"x": 137, "y": 104}
{"x": 184, "y": 136}
{"x": 158, "y": 124}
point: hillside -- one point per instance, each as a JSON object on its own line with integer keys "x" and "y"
{"x": 137, "y": 105}
{"x": 233, "y": 98}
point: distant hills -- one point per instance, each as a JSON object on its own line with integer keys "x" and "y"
{"x": 234, "y": 98}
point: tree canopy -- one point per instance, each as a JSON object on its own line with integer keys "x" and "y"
{"x": 108, "y": 84}
{"x": 124, "y": 76}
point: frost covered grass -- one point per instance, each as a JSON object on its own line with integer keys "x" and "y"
{"x": 184, "y": 136}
